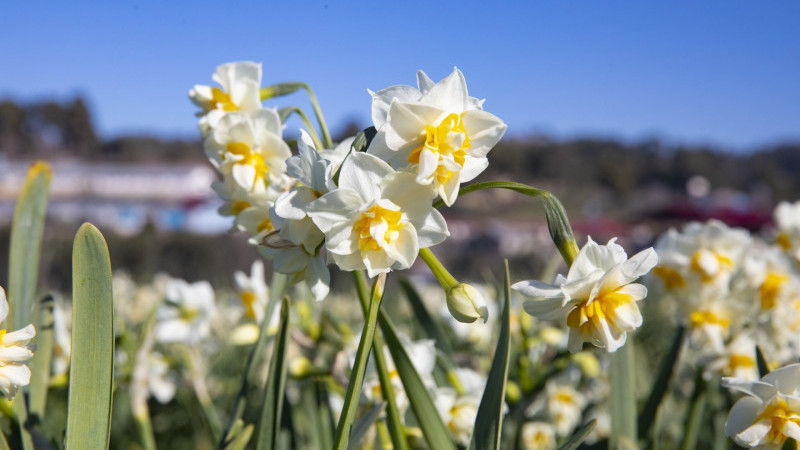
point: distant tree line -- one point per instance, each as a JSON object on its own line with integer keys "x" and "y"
{"x": 52, "y": 129}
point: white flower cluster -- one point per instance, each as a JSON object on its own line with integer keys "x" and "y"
{"x": 370, "y": 210}
{"x": 14, "y": 351}
{"x": 734, "y": 291}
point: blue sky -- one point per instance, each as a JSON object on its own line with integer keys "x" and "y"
{"x": 724, "y": 73}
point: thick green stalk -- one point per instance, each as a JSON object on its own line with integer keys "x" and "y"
{"x": 444, "y": 277}
{"x": 622, "y": 402}
{"x": 394, "y": 422}
{"x": 359, "y": 368}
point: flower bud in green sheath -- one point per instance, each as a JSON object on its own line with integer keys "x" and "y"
{"x": 466, "y": 304}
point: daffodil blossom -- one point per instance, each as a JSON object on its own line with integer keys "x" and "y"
{"x": 770, "y": 413}
{"x": 538, "y": 436}
{"x": 377, "y": 219}
{"x": 787, "y": 221}
{"x": 253, "y": 291}
{"x": 249, "y": 147}
{"x": 295, "y": 248}
{"x": 458, "y": 412}
{"x": 13, "y": 353}
{"x": 598, "y": 296}
{"x": 438, "y": 129}
{"x": 241, "y": 91}
{"x": 187, "y": 313}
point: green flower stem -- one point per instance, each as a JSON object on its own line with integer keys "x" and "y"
{"x": 557, "y": 221}
{"x": 281, "y": 89}
{"x": 383, "y": 434}
{"x": 395, "y": 424}
{"x": 285, "y": 113}
{"x": 197, "y": 377}
{"x": 442, "y": 275}
{"x": 145, "y": 429}
{"x": 696, "y": 414}
{"x": 359, "y": 368}
{"x": 318, "y": 112}
{"x": 277, "y": 288}
{"x": 622, "y": 402}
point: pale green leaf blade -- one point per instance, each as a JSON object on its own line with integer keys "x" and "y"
{"x": 576, "y": 439}
{"x": 489, "y": 421}
{"x": 270, "y": 422}
{"x": 40, "y": 363}
{"x": 419, "y": 399}
{"x": 362, "y": 425}
{"x": 648, "y": 415}
{"x": 622, "y": 401}
{"x": 26, "y": 241}
{"x": 91, "y": 370}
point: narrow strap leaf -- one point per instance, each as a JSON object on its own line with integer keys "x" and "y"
{"x": 622, "y": 402}
{"x": 648, "y": 415}
{"x": 576, "y": 439}
{"x": 276, "y": 381}
{"x": 763, "y": 369}
{"x": 420, "y": 400}
{"x": 92, "y": 361}
{"x": 42, "y": 357}
{"x": 489, "y": 420}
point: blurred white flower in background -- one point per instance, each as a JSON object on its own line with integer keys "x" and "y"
{"x": 13, "y": 353}
{"x": 186, "y": 314}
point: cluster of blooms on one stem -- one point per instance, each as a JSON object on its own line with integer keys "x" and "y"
{"x": 733, "y": 291}
{"x": 367, "y": 210}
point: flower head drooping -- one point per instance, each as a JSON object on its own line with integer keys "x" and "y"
{"x": 771, "y": 411}
{"x": 598, "y": 296}
{"x": 240, "y": 91}
{"x": 438, "y": 130}
{"x": 377, "y": 219}
{"x": 13, "y": 352}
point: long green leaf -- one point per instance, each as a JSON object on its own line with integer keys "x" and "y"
{"x": 92, "y": 366}
{"x": 648, "y": 414}
{"x": 420, "y": 400}
{"x": 344, "y": 428}
{"x": 26, "y": 241}
{"x": 576, "y": 439}
{"x": 40, "y": 363}
{"x": 489, "y": 421}
{"x": 394, "y": 421}
{"x": 277, "y": 288}
{"x": 363, "y": 424}
{"x": 622, "y": 401}
{"x": 761, "y": 362}
{"x": 269, "y": 428}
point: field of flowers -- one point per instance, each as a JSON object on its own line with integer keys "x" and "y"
{"x": 691, "y": 343}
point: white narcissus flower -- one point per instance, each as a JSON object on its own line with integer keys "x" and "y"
{"x": 787, "y": 220}
{"x": 377, "y": 219}
{"x": 13, "y": 353}
{"x": 253, "y": 291}
{"x": 538, "y": 436}
{"x": 249, "y": 147}
{"x": 598, "y": 296}
{"x": 161, "y": 382}
{"x": 241, "y": 91}
{"x": 770, "y": 413}
{"x": 458, "y": 412}
{"x": 187, "y": 313}
{"x": 438, "y": 129}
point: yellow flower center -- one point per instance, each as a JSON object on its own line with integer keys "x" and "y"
{"x": 249, "y": 157}
{"x": 221, "y": 99}
{"x": 377, "y": 227}
{"x": 447, "y": 139}
{"x": 238, "y": 207}
{"x": 249, "y": 300}
{"x": 700, "y": 318}
{"x": 735, "y": 362}
{"x": 779, "y": 414}
{"x": 672, "y": 278}
{"x": 784, "y": 241}
{"x": 2, "y": 333}
{"x": 701, "y": 257}
{"x": 771, "y": 288}
{"x": 587, "y": 315}
{"x": 265, "y": 225}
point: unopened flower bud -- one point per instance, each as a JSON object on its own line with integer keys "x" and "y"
{"x": 466, "y": 304}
